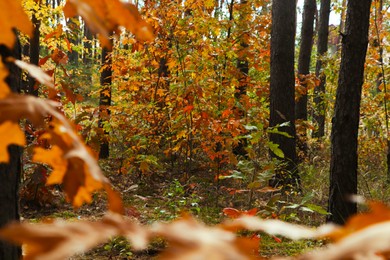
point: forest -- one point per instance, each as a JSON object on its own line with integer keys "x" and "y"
{"x": 194, "y": 129}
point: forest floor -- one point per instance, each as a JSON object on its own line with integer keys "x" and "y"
{"x": 156, "y": 198}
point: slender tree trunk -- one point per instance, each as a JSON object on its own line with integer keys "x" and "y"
{"x": 87, "y": 55}
{"x": 74, "y": 39}
{"x": 10, "y": 173}
{"x": 282, "y": 88}
{"x": 34, "y": 54}
{"x": 344, "y": 159}
{"x": 105, "y": 101}
{"x": 243, "y": 70}
{"x": 305, "y": 49}
{"x": 322, "y": 48}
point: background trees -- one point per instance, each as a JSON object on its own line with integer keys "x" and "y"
{"x": 282, "y": 88}
{"x": 345, "y": 123}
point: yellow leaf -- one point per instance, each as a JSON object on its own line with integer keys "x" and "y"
{"x": 11, "y": 134}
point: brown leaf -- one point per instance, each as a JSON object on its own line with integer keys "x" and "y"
{"x": 189, "y": 239}
{"x": 60, "y": 240}
{"x": 12, "y": 134}
{"x": 36, "y": 72}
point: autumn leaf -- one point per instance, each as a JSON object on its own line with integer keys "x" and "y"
{"x": 14, "y": 136}
{"x": 73, "y": 164}
{"x": 105, "y": 16}
{"x": 35, "y": 72}
{"x": 190, "y": 239}
{"x": 378, "y": 213}
{"x": 60, "y": 240}
{"x": 12, "y": 16}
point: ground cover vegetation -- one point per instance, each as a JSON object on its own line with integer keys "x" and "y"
{"x": 194, "y": 129}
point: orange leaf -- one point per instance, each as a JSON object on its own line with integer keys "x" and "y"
{"x": 188, "y": 109}
{"x": 232, "y": 212}
{"x": 105, "y": 16}
{"x": 378, "y": 213}
{"x": 12, "y": 134}
{"x": 12, "y": 16}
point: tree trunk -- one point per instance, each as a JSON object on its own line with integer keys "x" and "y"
{"x": 303, "y": 71}
{"x": 34, "y": 54}
{"x": 10, "y": 173}
{"x": 282, "y": 88}
{"x": 74, "y": 39}
{"x": 322, "y": 48}
{"x": 243, "y": 70}
{"x": 105, "y": 101}
{"x": 87, "y": 55}
{"x": 344, "y": 159}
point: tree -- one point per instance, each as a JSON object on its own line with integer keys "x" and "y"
{"x": 322, "y": 48}
{"x": 282, "y": 87}
{"x": 105, "y": 100}
{"x": 10, "y": 172}
{"x": 345, "y": 123}
{"x": 304, "y": 70}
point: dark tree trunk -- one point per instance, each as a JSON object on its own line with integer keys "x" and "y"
{"x": 105, "y": 101}
{"x": 34, "y": 55}
{"x": 243, "y": 70}
{"x": 74, "y": 39}
{"x": 10, "y": 173}
{"x": 282, "y": 88}
{"x": 88, "y": 55}
{"x": 306, "y": 46}
{"x": 344, "y": 159}
{"x": 322, "y": 48}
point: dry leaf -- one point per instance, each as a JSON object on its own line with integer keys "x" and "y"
{"x": 189, "y": 239}
{"x": 366, "y": 243}
{"x": 35, "y": 72}
{"x": 60, "y": 240}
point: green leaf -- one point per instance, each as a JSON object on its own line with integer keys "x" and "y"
{"x": 275, "y": 149}
{"x": 317, "y": 209}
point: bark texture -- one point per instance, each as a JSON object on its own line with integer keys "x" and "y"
{"x": 105, "y": 101}
{"x": 282, "y": 88}
{"x": 322, "y": 48}
{"x": 345, "y": 123}
{"x": 305, "y": 49}
{"x": 10, "y": 173}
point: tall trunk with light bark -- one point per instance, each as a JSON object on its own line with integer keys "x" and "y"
{"x": 282, "y": 88}
{"x": 322, "y": 48}
{"x": 344, "y": 159}
{"x": 306, "y": 46}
